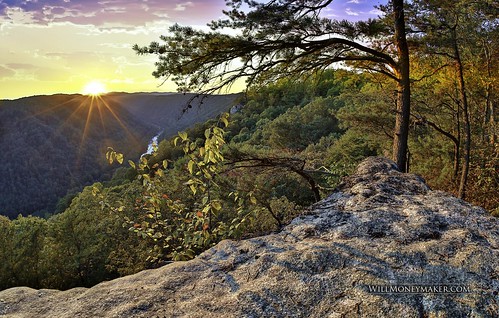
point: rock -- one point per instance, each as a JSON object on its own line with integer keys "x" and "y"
{"x": 381, "y": 228}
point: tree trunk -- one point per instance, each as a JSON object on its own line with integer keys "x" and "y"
{"x": 456, "y": 163}
{"x": 311, "y": 182}
{"x": 492, "y": 122}
{"x": 457, "y": 154}
{"x": 467, "y": 125}
{"x": 489, "y": 120}
{"x": 402, "y": 116}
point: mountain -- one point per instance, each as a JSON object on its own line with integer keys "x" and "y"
{"x": 181, "y": 113}
{"x": 54, "y": 144}
{"x": 380, "y": 228}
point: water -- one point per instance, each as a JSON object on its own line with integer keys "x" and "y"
{"x": 152, "y": 144}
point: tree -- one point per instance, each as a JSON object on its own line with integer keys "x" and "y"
{"x": 284, "y": 38}
{"x": 27, "y": 238}
{"x": 5, "y": 253}
{"x": 403, "y": 89}
{"x": 454, "y": 29}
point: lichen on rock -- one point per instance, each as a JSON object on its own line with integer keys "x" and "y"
{"x": 380, "y": 228}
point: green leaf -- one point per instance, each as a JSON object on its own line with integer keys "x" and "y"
{"x": 205, "y": 200}
{"x": 216, "y": 205}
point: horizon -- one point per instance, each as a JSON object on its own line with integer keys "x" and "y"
{"x": 114, "y": 93}
{"x": 60, "y": 47}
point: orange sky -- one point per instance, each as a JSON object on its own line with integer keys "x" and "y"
{"x": 59, "y": 46}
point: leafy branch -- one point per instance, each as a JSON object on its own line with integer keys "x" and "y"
{"x": 179, "y": 230}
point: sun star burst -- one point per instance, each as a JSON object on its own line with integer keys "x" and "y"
{"x": 94, "y": 88}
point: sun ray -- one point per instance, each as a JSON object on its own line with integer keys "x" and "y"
{"x": 50, "y": 109}
{"x": 87, "y": 122}
{"x": 103, "y": 124}
{"x": 118, "y": 119}
{"x": 87, "y": 113}
{"x": 67, "y": 120}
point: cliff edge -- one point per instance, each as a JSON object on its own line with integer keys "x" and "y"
{"x": 383, "y": 245}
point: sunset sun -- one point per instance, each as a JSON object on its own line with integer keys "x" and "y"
{"x": 94, "y": 88}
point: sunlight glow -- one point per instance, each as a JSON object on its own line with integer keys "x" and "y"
{"x": 94, "y": 88}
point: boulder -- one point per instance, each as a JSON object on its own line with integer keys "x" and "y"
{"x": 383, "y": 245}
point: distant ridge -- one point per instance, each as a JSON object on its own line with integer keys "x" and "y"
{"x": 51, "y": 144}
{"x": 79, "y": 94}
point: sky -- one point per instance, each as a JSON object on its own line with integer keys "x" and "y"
{"x": 59, "y": 46}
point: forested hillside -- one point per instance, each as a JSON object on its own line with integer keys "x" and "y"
{"x": 52, "y": 146}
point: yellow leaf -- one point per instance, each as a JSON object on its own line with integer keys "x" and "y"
{"x": 131, "y": 163}
{"x": 211, "y": 157}
{"x": 183, "y": 135}
{"x": 225, "y": 121}
{"x": 193, "y": 188}
{"x": 190, "y": 166}
{"x": 119, "y": 158}
{"x": 252, "y": 199}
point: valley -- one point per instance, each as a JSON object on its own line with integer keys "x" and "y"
{"x": 55, "y": 145}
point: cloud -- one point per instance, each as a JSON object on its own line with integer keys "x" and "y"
{"x": 21, "y": 66}
{"x": 6, "y": 72}
{"x": 376, "y": 12}
{"x": 130, "y": 12}
{"x": 183, "y": 6}
{"x": 36, "y": 72}
{"x": 16, "y": 14}
{"x": 31, "y": 72}
{"x": 349, "y": 11}
{"x": 353, "y": 10}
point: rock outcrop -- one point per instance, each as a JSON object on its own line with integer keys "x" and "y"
{"x": 383, "y": 245}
